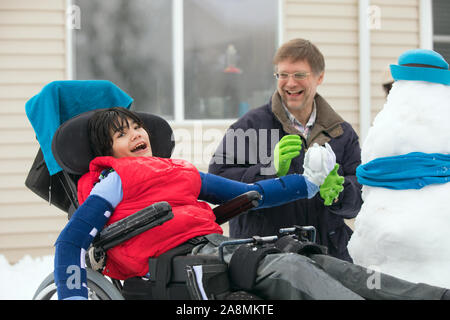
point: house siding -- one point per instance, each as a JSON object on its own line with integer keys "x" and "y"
{"x": 333, "y": 27}
{"x": 399, "y": 31}
{"x": 32, "y": 53}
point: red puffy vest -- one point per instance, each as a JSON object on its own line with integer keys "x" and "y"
{"x": 146, "y": 180}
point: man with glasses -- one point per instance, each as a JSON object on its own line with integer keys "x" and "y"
{"x": 271, "y": 141}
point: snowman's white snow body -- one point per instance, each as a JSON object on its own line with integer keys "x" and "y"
{"x": 406, "y": 233}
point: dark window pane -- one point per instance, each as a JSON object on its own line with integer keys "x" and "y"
{"x": 443, "y": 48}
{"x": 441, "y": 17}
{"x": 128, "y": 43}
{"x": 441, "y": 27}
{"x": 228, "y": 50}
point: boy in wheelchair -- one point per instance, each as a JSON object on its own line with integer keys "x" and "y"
{"x": 125, "y": 177}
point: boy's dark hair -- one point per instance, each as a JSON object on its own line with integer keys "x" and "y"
{"x": 104, "y": 123}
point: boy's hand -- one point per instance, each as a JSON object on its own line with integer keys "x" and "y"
{"x": 332, "y": 186}
{"x": 285, "y": 150}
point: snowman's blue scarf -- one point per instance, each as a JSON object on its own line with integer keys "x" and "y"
{"x": 414, "y": 170}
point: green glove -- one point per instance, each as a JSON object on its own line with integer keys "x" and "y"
{"x": 332, "y": 186}
{"x": 285, "y": 150}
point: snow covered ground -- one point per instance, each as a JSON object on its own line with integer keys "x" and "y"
{"x": 20, "y": 281}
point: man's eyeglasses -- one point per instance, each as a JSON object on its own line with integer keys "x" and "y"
{"x": 297, "y": 75}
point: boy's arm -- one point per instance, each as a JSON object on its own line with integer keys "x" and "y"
{"x": 274, "y": 192}
{"x": 319, "y": 162}
{"x": 76, "y": 237}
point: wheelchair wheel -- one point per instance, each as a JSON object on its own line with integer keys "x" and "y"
{"x": 99, "y": 288}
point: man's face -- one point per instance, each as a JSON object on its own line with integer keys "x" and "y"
{"x": 297, "y": 94}
{"x": 131, "y": 142}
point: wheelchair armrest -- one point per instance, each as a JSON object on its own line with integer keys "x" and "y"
{"x": 235, "y": 206}
{"x": 123, "y": 230}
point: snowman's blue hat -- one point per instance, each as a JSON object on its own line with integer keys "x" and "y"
{"x": 421, "y": 65}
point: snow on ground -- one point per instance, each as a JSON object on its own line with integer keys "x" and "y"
{"x": 20, "y": 280}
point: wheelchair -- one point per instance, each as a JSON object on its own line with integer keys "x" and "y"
{"x": 74, "y": 158}
{"x": 174, "y": 276}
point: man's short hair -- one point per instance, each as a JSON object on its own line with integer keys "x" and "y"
{"x": 301, "y": 49}
{"x": 104, "y": 123}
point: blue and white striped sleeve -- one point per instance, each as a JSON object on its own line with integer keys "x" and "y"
{"x": 78, "y": 234}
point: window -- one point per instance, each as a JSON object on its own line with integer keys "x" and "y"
{"x": 128, "y": 43}
{"x": 441, "y": 27}
{"x": 227, "y": 49}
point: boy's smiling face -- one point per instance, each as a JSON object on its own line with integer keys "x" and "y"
{"x": 131, "y": 141}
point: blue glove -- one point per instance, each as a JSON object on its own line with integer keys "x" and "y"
{"x": 109, "y": 188}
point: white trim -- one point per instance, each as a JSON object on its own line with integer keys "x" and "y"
{"x": 426, "y": 24}
{"x": 364, "y": 70}
{"x": 69, "y": 56}
{"x": 206, "y": 122}
{"x": 93, "y": 232}
{"x": 441, "y": 38}
{"x": 178, "y": 59}
{"x": 280, "y": 31}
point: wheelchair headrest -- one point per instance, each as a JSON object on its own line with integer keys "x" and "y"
{"x": 72, "y": 151}
{"x": 59, "y": 101}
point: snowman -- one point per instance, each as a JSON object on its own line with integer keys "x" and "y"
{"x": 403, "y": 228}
